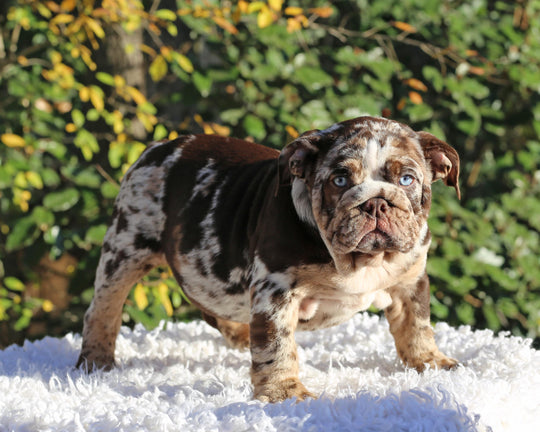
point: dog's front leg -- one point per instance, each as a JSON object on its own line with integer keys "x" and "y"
{"x": 409, "y": 319}
{"x": 274, "y": 316}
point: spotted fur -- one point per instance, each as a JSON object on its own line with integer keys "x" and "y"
{"x": 267, "y": 243}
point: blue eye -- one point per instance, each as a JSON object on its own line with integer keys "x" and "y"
{"x": 406, "y": 180}
{"x": 340, "y": 181}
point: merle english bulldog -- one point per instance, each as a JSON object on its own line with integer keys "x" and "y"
{"x": 266, "y": 243}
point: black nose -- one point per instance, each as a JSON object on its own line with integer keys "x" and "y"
{"x": 375, "y": 206}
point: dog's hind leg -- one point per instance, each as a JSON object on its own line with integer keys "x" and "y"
{"x": 126, "y": 257}
{"x": 131, "y": 248}
{"x": 236, "y": 334}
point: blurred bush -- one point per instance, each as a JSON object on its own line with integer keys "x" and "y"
{"x": 86, "y": 84}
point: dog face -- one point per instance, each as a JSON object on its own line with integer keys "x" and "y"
{"x": 366, "y": 184}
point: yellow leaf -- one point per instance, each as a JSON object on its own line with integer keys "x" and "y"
{"x": 148, "y": 50}
{"x": 43, "y": 10}
{"x": 255, "y": 6}
{"x": 173, "y": 135}
{"x": 118, "y": 123}
{"x": 62, "y": 19}
{"x": 275, "y": 4}
{"x": 71, "y": 127}
{"x": 47, "y": 306}
{"x": 207, "y": 129}
{"x": 119, "y": 81}
{"x": 293, "y": 24}
{"x": 158, "y": 68}
{"x": 84, "y": 94}
{"x": 198, "y": 119}
{"x": 416, "y": 84}
{"x": 34, "y": 179}
{"x": 163, "y": 292}
{"x": 136, "y": 95}
{"x": 323, "y": 12}
{"x": 56, "y": 57}
{"x": 96, "y": 97}
{"x": 148, "y": 120}
{"x": 265, "y": 17}
{"x": 68, "y": 5}
{"x": 415, "y": 98}
{"x": 220, "y": 129}
{"x": 243, "y": 6}
{"x": 225, "y": 25}
{"x": 292, "y": 10}
{"x": 183, "y": 62}
{"x": 139, "y": 294}
{"x": 292, "y": 131}
{"x": 12, "y": 140}
{"x": 403, "y": 26}
{"x": 166, "y": 52}
{"x": 95, "y": 27}
{"x": 52, "y": 6}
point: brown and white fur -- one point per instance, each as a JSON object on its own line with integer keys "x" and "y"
{"x": 266, "y": 243}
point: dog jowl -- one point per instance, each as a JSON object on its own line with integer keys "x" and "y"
{"x": 265, "y": 243}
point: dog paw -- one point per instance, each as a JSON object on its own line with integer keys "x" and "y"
{"x": 90, "y": 363}
{"x": 436, "y": 360}
{"x": 282, "y": 390}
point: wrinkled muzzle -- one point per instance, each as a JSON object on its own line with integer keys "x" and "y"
{"x": 377, "y": 224}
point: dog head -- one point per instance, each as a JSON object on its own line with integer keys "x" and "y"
{"x": 365, "y": 184}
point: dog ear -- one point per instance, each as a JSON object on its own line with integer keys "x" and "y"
{"x": 295, "y": 157}
{"x": 442, "y": 158}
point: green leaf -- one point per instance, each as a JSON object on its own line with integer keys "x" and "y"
{"x": 78, "y": 118}
{"x": 109, "y": 190}
{"x": 105, "y": 78}
{"x": 96, "y": 234}
{"x": 465, "y": 313}
{"x": 88, "y": 177}
{"x": 42, "y": 217}
{"x": 23, "y": 234}
{"x": 50, "y": 177}
{"x": 312, "y": 78}
{"x": 434, "y": 77}
{"x": 418, "y": 113}
{"x": 202, "y": 83}
{"x": 160, "y": 132}
{"x": 87, "y": 143}
{"x": 23, "y": 321}
{"x": 254, "y": 126}
{"x": 62, "y": 200}
{"x": 233, "y": 116}
{"x": 166, "y": 14}
{"x": 13, "y": 284}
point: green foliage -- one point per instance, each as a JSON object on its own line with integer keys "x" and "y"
{"x": 71, "y": 124}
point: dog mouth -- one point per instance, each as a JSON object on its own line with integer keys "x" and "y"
{"x": 378, "y": 225}
{"x": 374, "y": 241}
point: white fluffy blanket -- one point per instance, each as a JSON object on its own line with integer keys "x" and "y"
{"x": 182, "y": 377}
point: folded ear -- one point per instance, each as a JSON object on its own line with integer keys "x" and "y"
{"x": 442, "y": 158}
{"x": 297, "y": 155}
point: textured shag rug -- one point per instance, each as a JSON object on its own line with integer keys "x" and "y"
{"x": 182, "y": 377}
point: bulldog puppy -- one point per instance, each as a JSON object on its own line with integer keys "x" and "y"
{"x": 266, "y": 243}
